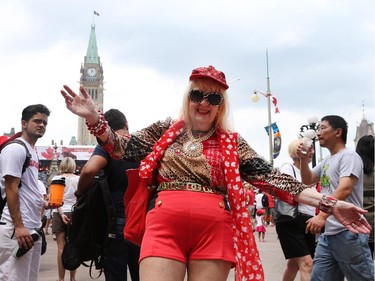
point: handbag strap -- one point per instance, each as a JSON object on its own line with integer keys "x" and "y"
{"x": 295, "y": 176}
{"x": 294, "y": 171}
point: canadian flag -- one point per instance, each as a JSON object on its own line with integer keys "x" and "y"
{"x": 274, "y": 101}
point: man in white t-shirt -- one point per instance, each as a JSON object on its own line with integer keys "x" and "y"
{"x": 22, "y": 212}
{"x": 258, "y": 200}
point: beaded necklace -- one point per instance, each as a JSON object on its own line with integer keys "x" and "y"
{"x": 194, "y": 147}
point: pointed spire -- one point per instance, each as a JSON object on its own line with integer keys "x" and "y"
{"x": 363, "y": 110}
{"x": 92, "y": 49}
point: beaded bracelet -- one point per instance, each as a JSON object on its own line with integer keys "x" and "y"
{"x": 326, "y": 204}
{"x": 99, "y": 127}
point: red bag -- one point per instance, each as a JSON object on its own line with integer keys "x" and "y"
{"x": 136, "y": 199}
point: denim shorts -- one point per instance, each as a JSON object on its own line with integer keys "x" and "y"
{"x": 343, "y": 254}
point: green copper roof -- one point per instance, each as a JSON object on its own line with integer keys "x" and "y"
{"x": 92, "y": 49}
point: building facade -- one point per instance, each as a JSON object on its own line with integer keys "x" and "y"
{"x": 92, "y": 79}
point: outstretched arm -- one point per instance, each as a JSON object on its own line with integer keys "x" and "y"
{"x": 83, "y": 106}
{"x": 346, "y": 213}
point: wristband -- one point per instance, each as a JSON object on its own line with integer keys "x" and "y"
{"x": 326, "y": 204}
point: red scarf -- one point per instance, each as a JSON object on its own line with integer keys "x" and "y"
{"x": 248, "y": 266}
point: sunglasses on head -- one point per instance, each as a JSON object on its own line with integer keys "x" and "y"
{"x": 214, "y": 99}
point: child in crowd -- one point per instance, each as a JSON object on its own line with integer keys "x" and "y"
{"x": 261, "y": 223}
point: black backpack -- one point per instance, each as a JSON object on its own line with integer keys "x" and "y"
{"x": 93, "y": 224}
{"x": 26, "y": 164}
{"x": 265, "y": 200}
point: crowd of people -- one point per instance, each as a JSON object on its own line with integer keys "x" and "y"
{"x": 213, "y": 192}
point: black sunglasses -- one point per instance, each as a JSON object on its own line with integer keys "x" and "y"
{"x": 214, "y": 99}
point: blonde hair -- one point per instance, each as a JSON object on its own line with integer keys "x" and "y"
{"x": 67, "y": 165}
{"x": 208, "y": 85}
{"x": 292, "y": 148}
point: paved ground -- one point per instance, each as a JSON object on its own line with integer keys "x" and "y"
{"x": 270, "y": 251}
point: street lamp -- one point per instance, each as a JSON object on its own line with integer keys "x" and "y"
{"x": 313, "y": 125}
{"x": 255, "y": 98}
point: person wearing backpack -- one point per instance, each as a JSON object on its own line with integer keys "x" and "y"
{"x": 61, "y": 216}
{"x": 120, "y": 253}
{"x": 258, "y": 201}
{"x": 20, "y": 243}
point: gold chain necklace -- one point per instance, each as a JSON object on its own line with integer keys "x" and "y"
{"x": 194, "y": 147}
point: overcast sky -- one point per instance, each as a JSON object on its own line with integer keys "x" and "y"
{"x": 321, "y": 59}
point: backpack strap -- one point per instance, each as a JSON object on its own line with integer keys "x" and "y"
{"x": 24, "y": 167}
{"x": 111, "y": 211}
{"x": 28, "y": 154}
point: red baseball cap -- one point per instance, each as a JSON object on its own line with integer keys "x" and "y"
{"x": 209, "y": 72}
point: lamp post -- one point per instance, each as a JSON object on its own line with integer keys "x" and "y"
{"x": 312, "y": 125}
{"x": 255, "y": 98}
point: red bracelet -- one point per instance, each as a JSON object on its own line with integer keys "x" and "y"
{"x": 326, "y": 204}
{"x": 99, "y": 127}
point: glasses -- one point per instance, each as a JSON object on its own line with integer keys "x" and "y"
{"x": 322, "y": 128}
{"x": 197, "y": 96}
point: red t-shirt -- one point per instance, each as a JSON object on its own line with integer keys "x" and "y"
{"x": 271, "y": 202}
{"x": 250, "y": 196}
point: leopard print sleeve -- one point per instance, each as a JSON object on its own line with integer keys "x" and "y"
{"x": 135, "y": 146}
{"x": 255, "y": 170}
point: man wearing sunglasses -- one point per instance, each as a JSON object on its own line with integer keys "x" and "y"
{"x": 200, "y": 164}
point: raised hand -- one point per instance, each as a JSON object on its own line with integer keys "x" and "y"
{"x": 352, "y": 217}
{"x": 82, "y": 106}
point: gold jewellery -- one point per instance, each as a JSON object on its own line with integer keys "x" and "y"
{"x": 194, "y": 147}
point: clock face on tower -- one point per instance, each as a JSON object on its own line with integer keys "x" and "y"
{"x": 91, "y": 71}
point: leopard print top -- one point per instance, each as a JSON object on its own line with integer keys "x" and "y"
{"x": 205, "y": 169}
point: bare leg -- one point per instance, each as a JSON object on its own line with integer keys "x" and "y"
{"x": 217, "y": 270}
{"x": 161, "y": 269}
{"x": 291, "y": 270}
{"x": 305, "y": 265}
{"x": 60, "y": 239}
{"x": 47, "y": 226}
{"x": 72, "y": 275}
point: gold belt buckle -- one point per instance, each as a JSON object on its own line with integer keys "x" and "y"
{"x": 189, "y": 186}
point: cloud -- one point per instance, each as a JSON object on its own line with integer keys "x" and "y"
{"x": 321, "y": 59}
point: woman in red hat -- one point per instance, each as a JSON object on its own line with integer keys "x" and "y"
{"x": 200, "y": 163}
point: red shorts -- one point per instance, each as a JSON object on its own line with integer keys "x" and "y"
{"x": 186, "y": 225}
